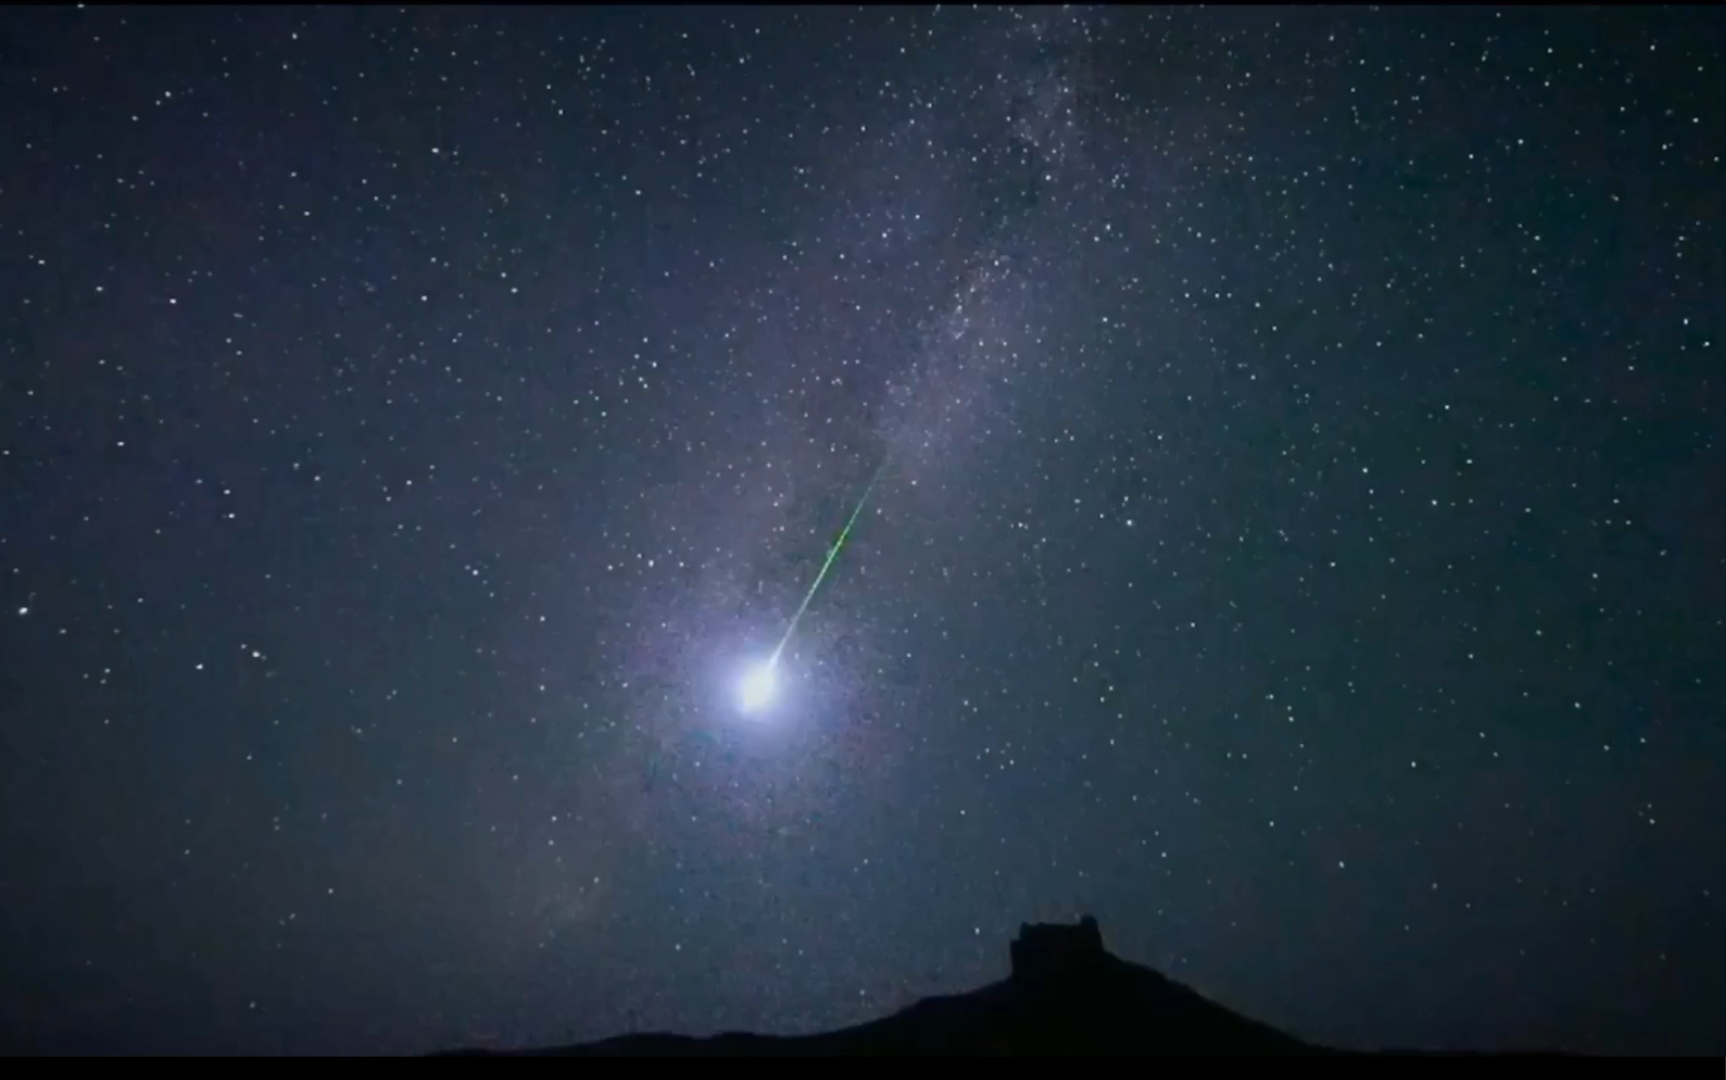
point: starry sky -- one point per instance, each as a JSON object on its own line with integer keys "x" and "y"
{"x": 1295, "y": 538}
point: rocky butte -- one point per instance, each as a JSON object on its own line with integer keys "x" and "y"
{"x": 1066, "y": 996}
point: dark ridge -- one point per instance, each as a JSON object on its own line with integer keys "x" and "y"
{"x": 1067, "y": 995}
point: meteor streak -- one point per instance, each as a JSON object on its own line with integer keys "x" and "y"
{"x": 833, "y": 553}
{"x": 760, "y": 683}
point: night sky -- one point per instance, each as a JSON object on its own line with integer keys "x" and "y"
{"x": 1296, "y": 534}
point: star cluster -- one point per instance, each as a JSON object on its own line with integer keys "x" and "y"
{"x": 1292, "y": 442}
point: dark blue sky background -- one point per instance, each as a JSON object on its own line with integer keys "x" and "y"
{"x": 1297, "y": 536}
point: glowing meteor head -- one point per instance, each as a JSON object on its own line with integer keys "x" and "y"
{"x": 759, "y": 687}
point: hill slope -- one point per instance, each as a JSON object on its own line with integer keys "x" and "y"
{"x": 1066, "y": 995}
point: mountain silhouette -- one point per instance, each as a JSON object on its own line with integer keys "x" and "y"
{"x": 1066, "y": 996}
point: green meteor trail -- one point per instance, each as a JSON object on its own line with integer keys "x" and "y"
{"x": 832, "y": 554}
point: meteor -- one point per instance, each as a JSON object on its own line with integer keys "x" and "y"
{"x": 760, "y": 685}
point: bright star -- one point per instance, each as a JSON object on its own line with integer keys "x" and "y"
{"x": 760, "y": 685}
